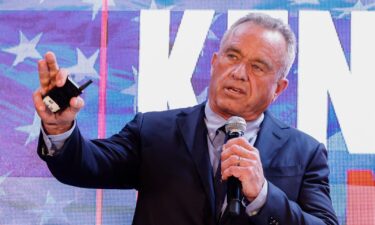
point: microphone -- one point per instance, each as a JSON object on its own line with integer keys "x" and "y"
{"x": 234, "y": 128}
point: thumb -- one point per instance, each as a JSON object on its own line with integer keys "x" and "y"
{"x": 76, "y": 103}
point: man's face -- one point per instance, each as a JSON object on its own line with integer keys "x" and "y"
{"x": 246, "y": 72}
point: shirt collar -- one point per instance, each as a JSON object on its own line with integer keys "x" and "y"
{"x": 214, "y": 121}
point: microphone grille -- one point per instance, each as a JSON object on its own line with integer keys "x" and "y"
{"x": 235, "y": 124}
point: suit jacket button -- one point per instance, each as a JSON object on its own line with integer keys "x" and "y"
{"x": 273, "y": 221}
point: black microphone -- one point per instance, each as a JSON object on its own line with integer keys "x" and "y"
{"x": 234, "y": 128}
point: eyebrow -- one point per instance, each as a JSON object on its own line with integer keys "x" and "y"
{"x": 233, "y": 49}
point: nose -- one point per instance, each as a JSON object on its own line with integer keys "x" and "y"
{"x": 239, "y": 72}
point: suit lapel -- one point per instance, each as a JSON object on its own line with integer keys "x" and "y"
{"x": 194, "y": 132}
{"x": 270, "y": 139}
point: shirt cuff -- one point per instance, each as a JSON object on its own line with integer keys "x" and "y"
{"x": 253, "y": 207}
{"x": 55, "y": 142}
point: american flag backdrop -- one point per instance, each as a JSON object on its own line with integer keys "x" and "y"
{"x": 100, "y": 40}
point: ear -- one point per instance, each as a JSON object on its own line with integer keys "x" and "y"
{"x": 213, "y": 61}
{"x": 282, "y": 84}
{"x": 214, "y": 58}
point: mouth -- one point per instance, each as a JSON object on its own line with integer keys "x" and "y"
{"x": 234, "y": 90}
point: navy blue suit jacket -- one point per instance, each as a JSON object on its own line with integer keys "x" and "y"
{"x": 164, "y": 156}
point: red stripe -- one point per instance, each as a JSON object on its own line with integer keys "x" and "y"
{"x": 102, "y": 98}
{"x": 361, "y": 177}
{"x": 360, "y": 199}
{"x": 99, "y": 206}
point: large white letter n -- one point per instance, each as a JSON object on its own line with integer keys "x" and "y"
{"x": 323, "y": 69}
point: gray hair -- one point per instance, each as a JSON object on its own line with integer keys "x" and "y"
{"x": 273, "y": 24}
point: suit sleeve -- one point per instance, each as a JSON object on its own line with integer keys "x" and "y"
{"x": 100, "y": 163}
{"x": 313, "y": 206}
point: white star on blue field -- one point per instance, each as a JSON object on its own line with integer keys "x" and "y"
{"x": 25, "y": 49}
{"x": 356, "y": 7}
{"x": 32, "y": 130}
{"x": 85, "y": 66}
{"x": 53, "y": 210}
{"x": 132, "y": 90}
{"x": 97, "y": 5}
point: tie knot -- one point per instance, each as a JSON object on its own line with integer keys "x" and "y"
{"x": 220, "y": 130}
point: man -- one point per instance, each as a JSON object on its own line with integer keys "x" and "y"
{"x": 171, "y": 157}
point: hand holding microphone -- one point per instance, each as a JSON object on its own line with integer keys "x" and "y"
{"x": 240, "y": 166}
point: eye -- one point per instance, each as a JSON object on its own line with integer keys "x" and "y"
{"x": 258, "y": 69}
{"x": 232, "y": 56}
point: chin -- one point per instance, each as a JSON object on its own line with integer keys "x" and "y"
{"x": 230, "y": 110}
{"x": 230, "y": 104}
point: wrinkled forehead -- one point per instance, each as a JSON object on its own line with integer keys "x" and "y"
{"x": 250, "y": 35}
{"x": 250, "y": 30}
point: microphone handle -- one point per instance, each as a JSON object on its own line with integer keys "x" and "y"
{"x": 233, "y": 196}
{"x": 234, "y": 186}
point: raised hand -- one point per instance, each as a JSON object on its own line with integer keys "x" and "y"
{"x": 50, "y": 75}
